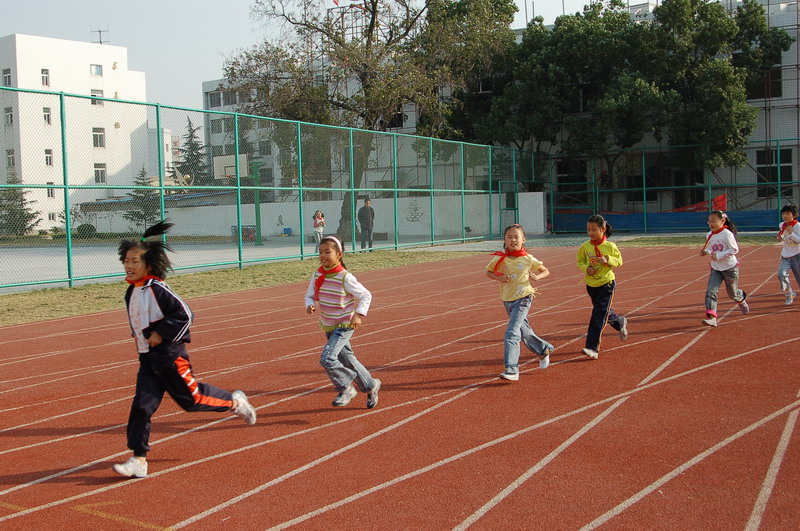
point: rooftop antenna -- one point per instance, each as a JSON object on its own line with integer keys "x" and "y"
{"x": 100, "y": 35}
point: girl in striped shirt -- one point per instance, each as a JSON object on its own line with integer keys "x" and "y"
{"x": 334, "y": 290}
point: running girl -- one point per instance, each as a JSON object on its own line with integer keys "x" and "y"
{"x": 335, "y": 290}
{"x": 160, "y": 322}
{"x": 598, "y": 258}
{"x": 721, "y": 247}
{"x": 514, "y": 268}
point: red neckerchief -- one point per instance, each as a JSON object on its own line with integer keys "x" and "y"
{"x": 713, "y": 232}
{"x": 506, "y": 253}
{"x": 598, "y": 244}
{"x": 321, "y": 278}
{"x": 786, "y": 225}
{"x": 144, "y": 279}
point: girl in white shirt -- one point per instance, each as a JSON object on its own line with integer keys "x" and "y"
{"x": 721, "y": 247}
{"x": 789, "y": 235}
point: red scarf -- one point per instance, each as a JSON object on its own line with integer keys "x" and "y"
{"x": 321, "y": 278}
{"x": 597, "y": 245}
{"x": 506, "y": 253}
{"x": 144, "y": 279}
{"x": 786, "y": 226}
{"x": 713, "y": 232}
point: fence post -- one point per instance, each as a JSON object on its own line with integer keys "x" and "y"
{"x": 644, "y": 191}
{"x": 491, "y": 203}
{"x": 67, "y": 215}
{"x": 396, "y": 203}
{"x": 778, "y": 160}
{"x": 160, "y": 158}
{"x": 430, "y": 185}
{"x": 240, "y": 242}
{"x": 300, "y": 189}
{"x": 463, "y": 203}
{"x": 353, "y": 201}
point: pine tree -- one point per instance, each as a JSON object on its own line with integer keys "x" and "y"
{"x": 146, "y": 208}
{"x": 17, "y": 218}
{"x": 194, "y": 157}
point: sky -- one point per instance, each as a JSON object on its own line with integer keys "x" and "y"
{"x": 179, "y": 44}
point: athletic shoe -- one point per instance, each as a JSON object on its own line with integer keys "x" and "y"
{"x": 789, "y": 298}
{"x": 591, "y": 353}
{"x": 244, "y": 409}
{"x": 710, "y": 321}
{"x": 623, "y": 331}
{"x": 544, "y": 359}
{"x": 743, "y": 305}
{"x": 132, "y": 468}
{"x": 344, "y": 397}
{"x": 372, "y": 396}
{"x": 510, "y": 374}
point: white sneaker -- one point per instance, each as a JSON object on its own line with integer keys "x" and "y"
{"x": 744, "y": 307}
{"x": 132, "y": 468}
{"x": 789, "y": 298}
{"x": 244, "y": 409}
{"x": 591, "y": 353}
{"x": 544, "y": 359}
{"x": 344, "y": 397}
{"x": 623, "y": 332}
{"x": 510, "y": 375}
{"x": 372, "y": 396}
{"x": 711, "y": 321}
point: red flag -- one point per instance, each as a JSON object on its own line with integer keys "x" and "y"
{"x": 336, "y": 2}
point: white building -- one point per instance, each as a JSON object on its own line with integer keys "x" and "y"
{"x": 107, "y": 143}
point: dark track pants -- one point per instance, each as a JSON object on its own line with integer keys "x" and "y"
{"x": 167, "y": 369}
{"x": 601, "y": 314}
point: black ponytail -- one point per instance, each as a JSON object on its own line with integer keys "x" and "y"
{"x": 602, "y": 223}
{"x": 154, "y": 253}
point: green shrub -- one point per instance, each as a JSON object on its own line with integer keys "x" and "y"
{"x": 86, "y": 230}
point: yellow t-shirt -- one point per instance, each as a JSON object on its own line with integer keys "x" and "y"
{"x": 604, "y": 272}
{"x": 518, "y": 268}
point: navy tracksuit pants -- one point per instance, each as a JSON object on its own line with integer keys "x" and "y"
{"x": 601, "y": 313}
{"x": 166, "y": 368}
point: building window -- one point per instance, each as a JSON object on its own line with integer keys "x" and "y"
{"x": 770, "y": 85}
{"x": 216, "y": 126}
{"x": 51, "y": 216}
{"x": 264, "y": 148}
{"x": 227, "y": 124}
{"x": 98, "y": 137}
{"x": 51, "y": 192}
{"x": 11, "y": 160}
{"x": 229, "y": 98}
{"x": 767, "y": 165}
{"x": 214, "y": 99}
{"x": 6, "y": 77}
{"x": 48, "y": 157}
{"x": 46, "y": 114}
{"x": 100, "y": 174}
{"x": 97, "y": 94}
{"x": 96, "y": 70}
{"x": 8, "y": 116}
{"x": 46, "y": 77}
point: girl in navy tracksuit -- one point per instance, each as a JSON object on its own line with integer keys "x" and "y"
{"x": 160, "y": 322}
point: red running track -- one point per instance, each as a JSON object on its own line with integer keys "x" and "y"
{"x": 681, "y": 426}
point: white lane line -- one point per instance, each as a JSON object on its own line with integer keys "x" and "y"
{"x": 312, "y": 464}
{"x": 619, "y": 509}
{"x": 772, "y": 474}
{"x": 503, "y": 494}
{"x": 522, "y": 431}
{"x": 508, "y": 490}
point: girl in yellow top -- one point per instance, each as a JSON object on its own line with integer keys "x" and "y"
{"x": 597, "y": 258}
{"x": 514, "y": 268}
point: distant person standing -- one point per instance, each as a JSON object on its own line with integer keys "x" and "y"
{"x": 366, "y": 220}
{"x": 319, "y": 227}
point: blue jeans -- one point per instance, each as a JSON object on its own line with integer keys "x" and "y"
{"x": 518, "y": 328}
{"x": 341, "y": 364}
{"x": 715, "y": 278}
{"x": 789, "y": 264}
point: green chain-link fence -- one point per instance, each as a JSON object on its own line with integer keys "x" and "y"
{"x": 81, "y": 173}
